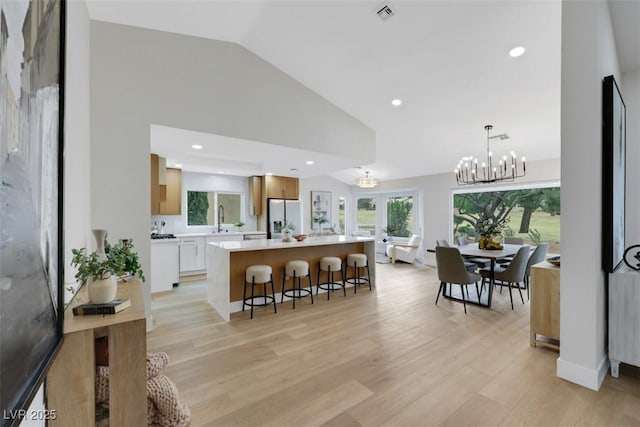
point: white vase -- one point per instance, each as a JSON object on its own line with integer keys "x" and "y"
{"x": 100, "y": 236}
{"x": 102, "y": 290}
{"x": 287, "y": 235}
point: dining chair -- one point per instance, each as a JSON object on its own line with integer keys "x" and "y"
{"x": 451, "y": 269}
{"x": 478, "y": 262}
{"x": 471, "y": 266}
{"x": 538, "y": 255}
{"x": 511, "y": 276}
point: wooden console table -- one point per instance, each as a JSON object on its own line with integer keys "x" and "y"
{"x": 70, "y": 382}
{"x": 545, "y": 305}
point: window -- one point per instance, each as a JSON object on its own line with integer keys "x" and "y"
{"x": 366, "y": 215}
{"x": 211, "y": 208}
{"x": 341, "y": 215}
{"x": 532, "y": 213}
{"x": 400, "y": 216}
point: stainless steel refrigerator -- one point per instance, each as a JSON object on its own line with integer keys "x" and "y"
{"x": 281, "y": 212}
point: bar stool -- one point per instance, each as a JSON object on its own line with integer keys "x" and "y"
{"x": 258, "y": 275}
{"x": 357, "y": 261}
{"x": 331, "y": 265}
{"x": 296, "y": 269}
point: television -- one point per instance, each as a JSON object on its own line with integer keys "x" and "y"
{"x": 613, "y": 178}
{"x": 31, "y": 194}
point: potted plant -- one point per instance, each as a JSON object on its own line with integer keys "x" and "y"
{"x": 388, "y": 231}
{"x": 239, "y": 225}
{"x": 320, "y": 219}
{"x": 488, "y": 229}
{"x": 101, "y": 271}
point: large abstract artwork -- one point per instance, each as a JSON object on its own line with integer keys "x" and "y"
{"x": 31, "y": 100}
{"x": 614, "y": 173}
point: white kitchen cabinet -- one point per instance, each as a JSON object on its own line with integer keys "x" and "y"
{"x": 192, "y": 255}
{"x": 164, "y": 265}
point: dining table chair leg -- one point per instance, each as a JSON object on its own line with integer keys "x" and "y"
{"x": 510, "y": 295}
{"x": 520, "y": 291}
{"x": 442, "y": 288}
{"x": 477, "y": 292}
{"x": 464, "y": 302}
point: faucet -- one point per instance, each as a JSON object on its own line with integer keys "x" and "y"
{"x": 220, "y": 217}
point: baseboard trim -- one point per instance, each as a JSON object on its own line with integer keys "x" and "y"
{"x": 589, "y": 378}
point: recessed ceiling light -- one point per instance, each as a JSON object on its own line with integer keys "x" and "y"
{"x": 310, "y": 162}
{"x": 516, "y": 51}
{"x": 178, "y": 165}
{"x": 269, "y": 174}
{"x": 221, "y": 172}
{"x": 196, "y": 147}
{"x": 396, "y": 102}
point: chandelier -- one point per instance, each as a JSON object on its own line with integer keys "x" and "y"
{"x": 469, "y": 172}
{"x": 366, "y": 182}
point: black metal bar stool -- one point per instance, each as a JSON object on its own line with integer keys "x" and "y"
{"x": 258, "y": 275}
{"x": 357, "y": 262}
{"x": 331, "y": 265}
{"x": 296, "y": 270}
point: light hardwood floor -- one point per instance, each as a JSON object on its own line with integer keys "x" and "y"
{"x": 384, "y": 358}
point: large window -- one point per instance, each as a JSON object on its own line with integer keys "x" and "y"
{"x": 211, "y": 208}
{"x": 532, "y": 214}
{"x": 342, "y": 208}
{"x": 400, "y": 216}
{"x": 366, "y": 215}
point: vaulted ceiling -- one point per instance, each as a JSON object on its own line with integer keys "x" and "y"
{"x": 448, "y": 61}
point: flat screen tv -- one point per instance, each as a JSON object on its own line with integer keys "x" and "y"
{"x": 31, "y": 165}
{"x": 613, "y": 178}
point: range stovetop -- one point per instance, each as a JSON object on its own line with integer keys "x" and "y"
{"x": 163, "y": 236}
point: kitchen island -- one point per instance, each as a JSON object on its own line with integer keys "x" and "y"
{"x": 229, "y": 260}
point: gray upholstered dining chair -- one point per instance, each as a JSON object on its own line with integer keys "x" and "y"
{"x": 512, "y": 275}
{"x": 538, "y": 255}
{"x": 479, "y": 262}
{"x": 451, "y": 269}
{"x": 471, "y": 266}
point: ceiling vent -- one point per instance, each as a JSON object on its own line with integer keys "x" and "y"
{"x": 385, "y": 13}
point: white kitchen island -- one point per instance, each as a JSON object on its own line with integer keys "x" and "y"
{"x": 229, "y": 260}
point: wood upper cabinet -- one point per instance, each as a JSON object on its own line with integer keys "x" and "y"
{"x": 172, "y": 205}
{"x": 155, "y": 187}
{"x": 255, "y": 188}
{"x": 282, "y": 187}
{"x": 165, "y": 199}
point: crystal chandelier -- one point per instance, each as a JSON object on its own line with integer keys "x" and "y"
{"x": 469, "y": 172}
{"x": 366, "y": 182}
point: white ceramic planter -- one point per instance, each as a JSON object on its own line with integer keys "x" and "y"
{"x": 103, "y": 290}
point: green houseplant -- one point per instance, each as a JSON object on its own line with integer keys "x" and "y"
{"x": 239, "y": 225}
{"x": 100, "y": 270}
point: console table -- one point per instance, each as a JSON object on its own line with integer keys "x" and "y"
{"x": 70, "y": 382}
{"x": 624, "y": 318}
{"x": 545, "y": 305}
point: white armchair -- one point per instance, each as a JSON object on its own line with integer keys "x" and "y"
{"x": 404, "y": 251}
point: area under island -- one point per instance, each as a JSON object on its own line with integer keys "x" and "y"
{"x": 229, "y": 260}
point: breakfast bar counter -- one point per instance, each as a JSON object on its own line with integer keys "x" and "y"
{"x": 229, "y": 260}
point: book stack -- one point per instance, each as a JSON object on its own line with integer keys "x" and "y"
{"x": 113, "y": 307}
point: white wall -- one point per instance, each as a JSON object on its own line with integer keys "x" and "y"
{"x": 322, "y": 183}
{"x": 77, "y": 175}
{"x": 192, "y": 181}
{"x": 588, "y": 55}
{"x": 437, "y": 201}
{"x": 141, "y": 77}
{"x": 630, "y": 89}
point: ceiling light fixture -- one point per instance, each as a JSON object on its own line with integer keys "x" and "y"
{"x": 517, "y": 51}
{"x": 396, "y": 102}
{"x": 469, "y": 173}
{"x": 367, "y": 182}
{"x": 196, "y": 147}
{"x": 179, "y": 165}
{"x": 310, "y": 162}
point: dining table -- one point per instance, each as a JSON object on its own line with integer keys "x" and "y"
{"x": 493, "y": 255}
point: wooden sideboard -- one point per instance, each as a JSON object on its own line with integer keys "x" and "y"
{"x": 70, "y": 382}
{"x": 624, "y": 318}
{"x": 545, "y": 305}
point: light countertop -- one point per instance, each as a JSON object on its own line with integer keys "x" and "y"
{"x": 223, "y": 233}
{"x": 264, "y": 244}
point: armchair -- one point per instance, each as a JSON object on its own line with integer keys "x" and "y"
{"x": 404, "y": 251}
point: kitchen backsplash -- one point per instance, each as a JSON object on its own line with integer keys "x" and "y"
{"x": 175, "y": 224}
